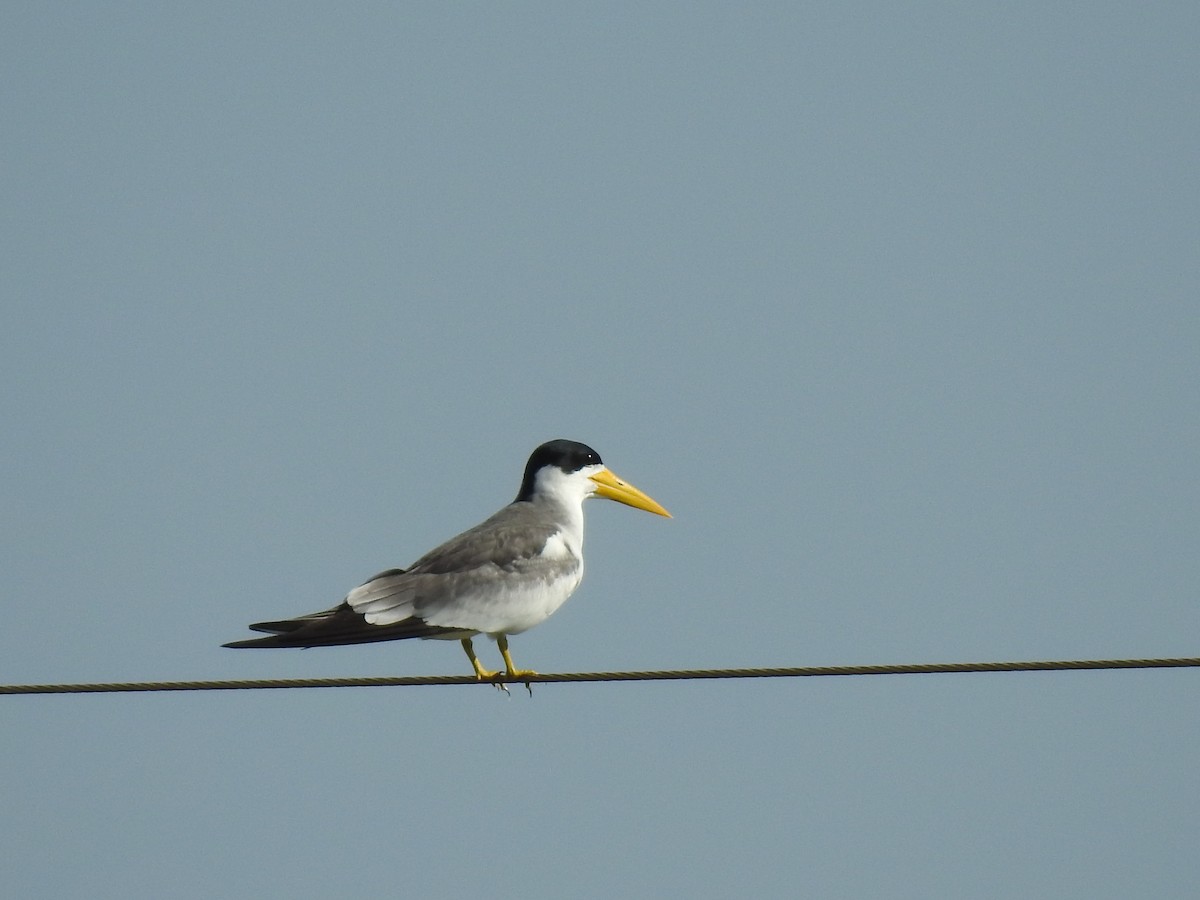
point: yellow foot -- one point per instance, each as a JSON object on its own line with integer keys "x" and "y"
{"x": 481, "y": 674}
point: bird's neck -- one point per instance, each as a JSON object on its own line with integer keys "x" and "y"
{"x": 570, "y": 519}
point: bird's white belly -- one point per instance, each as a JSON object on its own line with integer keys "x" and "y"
{"x": 509, "y": 605}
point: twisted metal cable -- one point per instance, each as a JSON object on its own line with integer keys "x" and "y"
{"x": 572, "y": 677}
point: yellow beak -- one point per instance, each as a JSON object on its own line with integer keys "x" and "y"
{"x": 611, "y": 487}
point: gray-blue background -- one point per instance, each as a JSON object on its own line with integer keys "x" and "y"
{"x": 894, "y": 307}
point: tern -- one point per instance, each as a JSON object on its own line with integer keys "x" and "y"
{"x": 502, "y": 577}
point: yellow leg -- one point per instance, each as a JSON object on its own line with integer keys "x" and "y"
{"x": 511, "y": 670}
{"x": 480, "y": 672}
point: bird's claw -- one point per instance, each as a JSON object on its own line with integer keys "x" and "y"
{"x": 501, "y": 680}
{"x": 518, "y": 674}
{"x": 495, "y": 679}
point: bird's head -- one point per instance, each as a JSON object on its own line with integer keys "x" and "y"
{"x": 572, "y": 472}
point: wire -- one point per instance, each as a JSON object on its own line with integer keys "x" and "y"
{"x": 571, "y": 677}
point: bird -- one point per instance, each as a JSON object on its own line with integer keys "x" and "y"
{"x": 500, "y": 578}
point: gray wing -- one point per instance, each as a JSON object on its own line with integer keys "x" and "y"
{"x": 453, "y": 585}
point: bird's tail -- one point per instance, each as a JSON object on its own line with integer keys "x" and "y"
{"x": 340, "y": 625}
{"x": 284, "y": 632}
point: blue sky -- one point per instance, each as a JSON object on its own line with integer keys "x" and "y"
{"x": 894, "y": 308}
